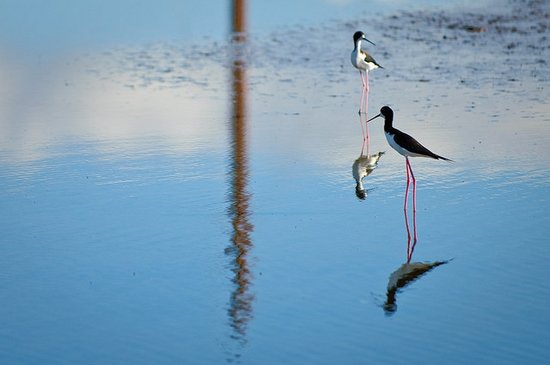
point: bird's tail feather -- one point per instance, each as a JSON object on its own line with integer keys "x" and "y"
{"x": 444, "y": 158}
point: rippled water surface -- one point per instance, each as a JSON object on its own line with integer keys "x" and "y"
{"x": 194, "y": 202}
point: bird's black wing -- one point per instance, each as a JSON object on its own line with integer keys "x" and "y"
{"x": 411, "y": 144}
{"x": 368, "y": 58}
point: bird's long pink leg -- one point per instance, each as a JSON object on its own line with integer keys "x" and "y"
{"x": 410, "y": 248}
{"x": 361, "y": 107}
{"x": 362, "y": 92}
{"x": 367, "y": 109}
{"x": 408, "y": 181}
{"x": 414, "y": 185}
{"x": 361, "y": 112}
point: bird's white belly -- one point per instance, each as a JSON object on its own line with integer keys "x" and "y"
{"x": 395, "y": 146}
{"x": 358, "y": 61}
{"x": 355, "y": 60}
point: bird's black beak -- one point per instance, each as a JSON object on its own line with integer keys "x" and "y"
{"x": 376, "y": 116}
{"x": 365, "y": 38}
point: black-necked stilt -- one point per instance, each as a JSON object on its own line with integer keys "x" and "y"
{"x": 406, "y": 146}
{"x": 364, "y": 62}
{"x": 360, "y": 59}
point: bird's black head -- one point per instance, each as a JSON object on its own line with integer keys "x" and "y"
{"x": 386, "y": 112}
{"x": 358, "y": 35}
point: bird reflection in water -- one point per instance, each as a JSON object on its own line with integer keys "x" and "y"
{"x": 362, "y": 167}
{"x": 240, "y": 306}
{"x": 408, "y": 272}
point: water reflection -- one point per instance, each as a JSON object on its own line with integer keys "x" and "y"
{"x": 362, "y": 167}
{"x": 240, "y": 310}
{"x": 408, "y": 272}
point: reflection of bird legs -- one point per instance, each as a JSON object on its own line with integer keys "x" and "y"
{"x": 409, "y": 176}
{"x": 363, "y": 109}
{"x": 367, "y": 109}
{"x": 410, "y": 248}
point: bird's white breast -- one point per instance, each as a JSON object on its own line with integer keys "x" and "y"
{"x": 355, "y": 60}
{"x": 395, "y": 146}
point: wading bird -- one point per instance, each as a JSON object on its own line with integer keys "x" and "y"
{"x": 406, "y": 146}
{"x": 364, "y": 62}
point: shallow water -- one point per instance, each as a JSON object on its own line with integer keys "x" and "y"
{"x": 163, "y": 205}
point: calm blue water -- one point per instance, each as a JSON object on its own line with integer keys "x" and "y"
{"x": 162, "y": 206}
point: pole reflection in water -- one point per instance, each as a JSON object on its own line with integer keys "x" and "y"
{"x": 362, "y": 167}
{"x": 408, "y": 272}
{"x": 240, "y": 309}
